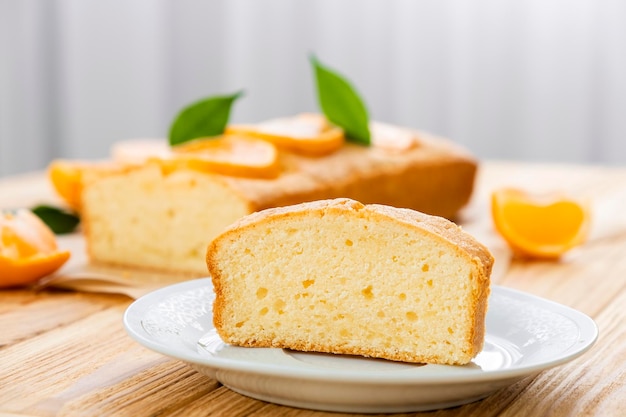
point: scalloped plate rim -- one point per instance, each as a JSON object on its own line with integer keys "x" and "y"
{"x": 132, "y": 324}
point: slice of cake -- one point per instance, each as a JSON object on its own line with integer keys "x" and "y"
{"x": 153, "y": 216}
{"x": 338, "y": 276}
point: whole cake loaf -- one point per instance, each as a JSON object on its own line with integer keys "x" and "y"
{"x": 156, "y": 206}
{"x": 337, "y": 276}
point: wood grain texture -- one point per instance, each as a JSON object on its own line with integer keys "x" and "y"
{"x": 65, "y": 353}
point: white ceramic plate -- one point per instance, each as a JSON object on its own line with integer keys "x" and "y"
{"x": 525, "y": 335}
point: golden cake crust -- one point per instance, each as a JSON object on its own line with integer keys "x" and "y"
{"x": 436, "y": 177}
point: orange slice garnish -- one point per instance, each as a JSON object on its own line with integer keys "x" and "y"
{"x": 539, "y": 226}
{"x": 392, "y": 137}
{"x": 306, "y": 133}
{"x": 138, "y": 151}
{"x": 227, "y": 155}
{"x": 28, "y": 249}
{"x": 230, "y": 155}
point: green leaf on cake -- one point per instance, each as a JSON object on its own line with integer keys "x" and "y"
{"x": 341, "y": 103}
{"x": 58, "y": 220}
{"x": 202, "y": 119}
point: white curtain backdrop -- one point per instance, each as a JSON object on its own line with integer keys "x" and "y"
{"x": 541, "y": 80}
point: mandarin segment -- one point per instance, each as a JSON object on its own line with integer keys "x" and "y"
{"x": 25, "y": 271}
{"x": 536, "y": 226}
{"x": 24, "y": 234}
{"x": 66, "y": 177}
{"x": 28, "y": 249}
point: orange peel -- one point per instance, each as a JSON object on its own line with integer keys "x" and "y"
{"x": 543, "y": 227}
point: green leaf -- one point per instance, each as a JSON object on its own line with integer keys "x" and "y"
{"x": 341, "y": 103}
{"x": 58, "y": 220}
{"x": 204, "y": 118}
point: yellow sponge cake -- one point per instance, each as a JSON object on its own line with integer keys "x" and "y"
{"x": 338, "y": 276}
{"x": 151, "y": 216}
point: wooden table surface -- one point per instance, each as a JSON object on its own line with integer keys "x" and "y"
{"x": 65, "y": 353}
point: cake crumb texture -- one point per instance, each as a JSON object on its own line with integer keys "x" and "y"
{"x": 149, "y": 219}
{"x": 341, "y": 277}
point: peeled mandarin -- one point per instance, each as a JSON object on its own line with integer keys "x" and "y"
{"x": 305, "y": 133}
{"x": 536, "y": 226}
{"x": 28, "y": 249}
